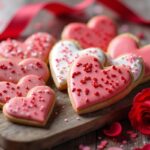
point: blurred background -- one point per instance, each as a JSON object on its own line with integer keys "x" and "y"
{"x": 54, "y": 25}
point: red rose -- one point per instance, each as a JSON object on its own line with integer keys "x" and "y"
{"x": 139, "y": 114}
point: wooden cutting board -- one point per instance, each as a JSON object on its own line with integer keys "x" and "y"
{"x": 19, "y": 137}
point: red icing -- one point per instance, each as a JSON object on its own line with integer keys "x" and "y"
{"x": 76, "y": 74}
{"x": 83, "y": 81}
{"x": 113, "y": 76}
{"x": 74, "y": 89}
{"x": 87, "y": 91}
{"x": 119, "y": 70}
{"x": 10, "y": 90}
{"x": 98, "y": 33}
{"x": 98, "y": 88}
{"x": 13, "y": 71}
{"x": 36, "y": 106}
{"x": 87, "y": 67}
{"x": 96, "y": 93}
{"x": 79, "y": 64}
{"x": 126, "y": 43}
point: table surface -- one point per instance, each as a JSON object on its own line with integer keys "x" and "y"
{"x": 142, "y": 7}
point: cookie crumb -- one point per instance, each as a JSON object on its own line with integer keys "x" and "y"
{"x": 102, "y": 145}
{"x": 124, "y": 28}
{"x": 66, "y": 120}
{"x": 84, "y": 147}
{"x": 77, "y": 118}
{"x": 141, "y": 35}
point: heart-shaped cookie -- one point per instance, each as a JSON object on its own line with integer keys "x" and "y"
{"x": 13, "y": 71}
{"x": 37, "y": 45}
{"x": 133, "y": 62}
{"x": 34, "y": 109}
{"x": 9, "y": 90}
{"x": 91, "y": 87}
{"x": 63, "y": 54}
{"x": 98, "y": 33}
{"x": 128, "y": 43}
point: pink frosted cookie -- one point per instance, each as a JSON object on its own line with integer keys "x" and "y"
{"x": 134, "y": 63}
{"x": 13, "y": 71}
{"x": 37, "y": 45}
{"x": 63, "y": 54}
{"x": 128, "y": 43}
{"x": 99, "y": 31}
{"x": 34, "y": 109}
{"x": 92, "y": 87}
{"x": 9, "y": 90}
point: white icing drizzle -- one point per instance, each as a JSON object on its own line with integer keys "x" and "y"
{"x": 65, "y": 52}
{"x": 131, "y": 61}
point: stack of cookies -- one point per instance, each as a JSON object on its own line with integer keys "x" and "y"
{"x": 97, "y": 66}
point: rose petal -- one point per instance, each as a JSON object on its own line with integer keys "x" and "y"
{"x": 141, "y": 35}
{"x": 114, "y": 130}
{"x": 146, "y": 103}
{"x": 144, "y": 129}
{"x": 145, "y": 147}
{"x": 142, "y": 96}
{"x": 146, "y": 118}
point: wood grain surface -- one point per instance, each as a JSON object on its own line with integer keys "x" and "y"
{"x": 58, "y": 130}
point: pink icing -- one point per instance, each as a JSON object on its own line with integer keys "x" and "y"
{"x": 98, "y": 33}
{"x": 36, "y": 106}
{"x": 127, "y": 44}
{"x": 144, "y": 53}
{"x": 9, "y": 90}
{"x": 12, "y": 71}
{"x": 90, "y": 85}
{"x": 122, "y": 45}
{"x": 36, "y": 46}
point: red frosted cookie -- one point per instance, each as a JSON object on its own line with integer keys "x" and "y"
{"x": 9, "y": 90}
{"x": 91, "y": 87}
{"x": 13, "y": 71}
{"x": 128, "y": 43}
{"x": 37, "y": 45}
{"x": 34, "y": 109}
{"x": 99, "y": 31}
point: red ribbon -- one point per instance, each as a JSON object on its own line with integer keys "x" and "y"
{"x": 123, "y": 11}
{"x": 26, "y": 13}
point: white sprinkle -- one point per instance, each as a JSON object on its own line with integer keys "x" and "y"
{"x": 99, "y": 138}
{"x": 66, "y": 120}
{"x": 10, "y": 78}
{"x": 29, "y": 48}
{"x": 34, "y": 54}
{"x": 77, "y": 118}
